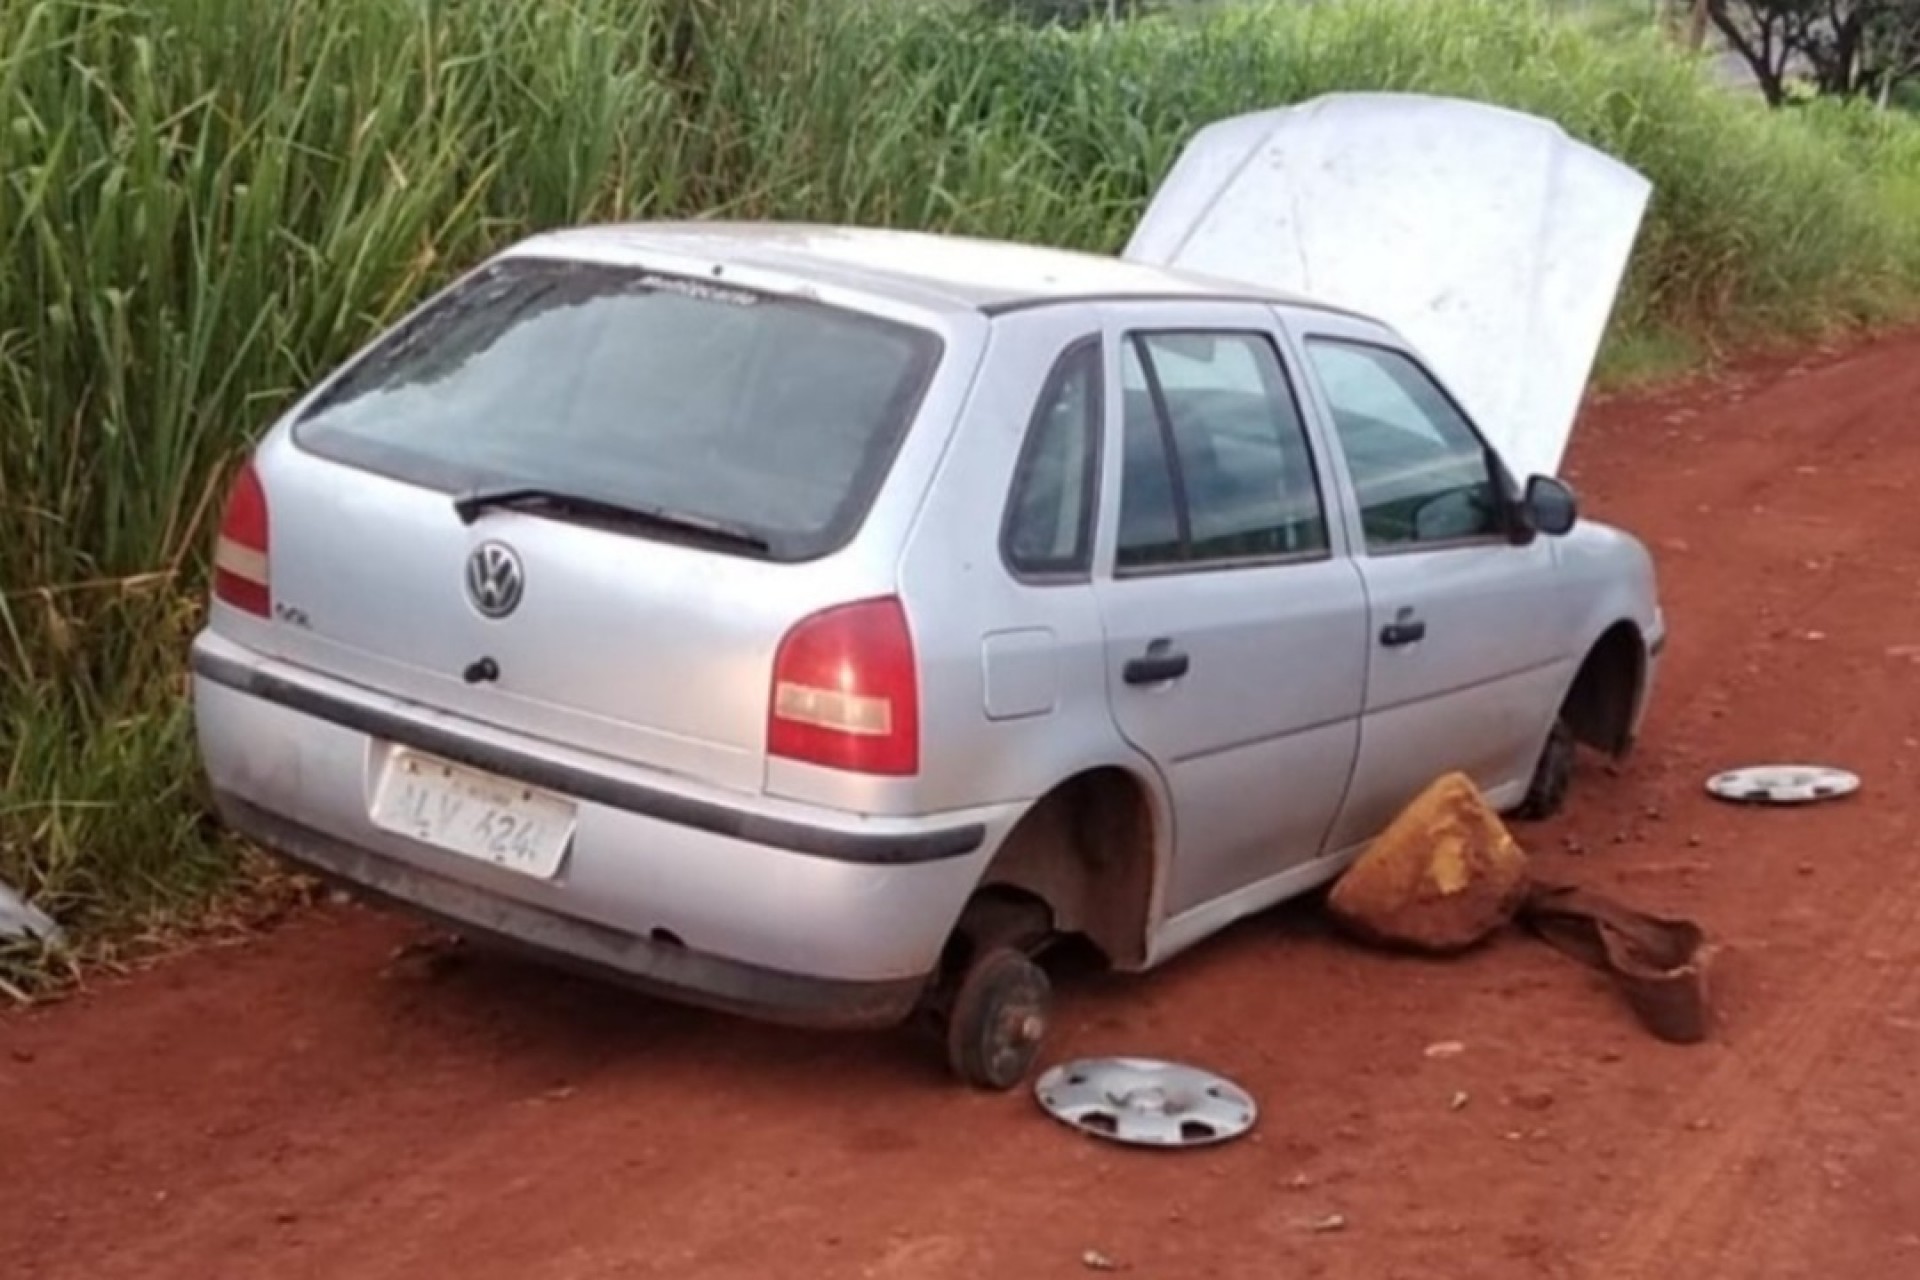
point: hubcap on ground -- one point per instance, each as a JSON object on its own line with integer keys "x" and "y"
{"x": 1783, "y": 784}
{"x": 1146, "y": 1102}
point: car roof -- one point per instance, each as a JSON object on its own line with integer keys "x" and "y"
{"x": 950, "y": 272}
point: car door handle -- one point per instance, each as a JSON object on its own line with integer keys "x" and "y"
{"x": 1161, "y": 662}
{"x": 1405, "y": 629}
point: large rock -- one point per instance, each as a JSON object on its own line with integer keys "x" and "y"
{"x": 1442, "y": 877}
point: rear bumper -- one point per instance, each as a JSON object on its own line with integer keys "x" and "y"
{"x": 628, "y": 959}
{"x": 214, "y": 664}
{"x": 734, "y": 901}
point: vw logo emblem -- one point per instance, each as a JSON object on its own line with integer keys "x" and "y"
{"x": 495, "y": 580}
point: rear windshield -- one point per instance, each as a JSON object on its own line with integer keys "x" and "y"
{"x": 759, "y": 412}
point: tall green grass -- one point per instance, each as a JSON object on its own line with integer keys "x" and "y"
{"x": 205, "y": 202}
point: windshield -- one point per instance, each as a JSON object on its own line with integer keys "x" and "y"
{"x": 689, "y": 398}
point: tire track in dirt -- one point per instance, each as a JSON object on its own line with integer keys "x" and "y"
{"x": 1731, "y": 1232}
{"x": 1698, "y": 1215}
{"x": 1693, "y": 1221}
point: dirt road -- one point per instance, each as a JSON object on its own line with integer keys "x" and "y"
{"x": 300, "y": 1106}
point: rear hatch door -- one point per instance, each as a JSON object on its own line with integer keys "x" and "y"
{"x": 586, "y": 501}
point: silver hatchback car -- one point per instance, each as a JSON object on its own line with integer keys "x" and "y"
{"x": 814, "y": 623}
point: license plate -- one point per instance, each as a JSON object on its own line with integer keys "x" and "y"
{"x": 465, "y": 811}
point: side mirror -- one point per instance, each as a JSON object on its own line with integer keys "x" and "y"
{"x": 1550, "y": 506}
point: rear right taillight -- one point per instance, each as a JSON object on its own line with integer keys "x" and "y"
{"x": 240, "y": 576}
{"x": 846, "y": 691}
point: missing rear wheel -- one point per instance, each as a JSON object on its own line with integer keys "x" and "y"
{"x": 998, "y": 1020}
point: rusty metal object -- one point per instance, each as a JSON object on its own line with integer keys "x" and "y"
{"x": 1659, "y": 964}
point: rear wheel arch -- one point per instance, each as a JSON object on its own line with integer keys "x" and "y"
{"x": 1604, "y": 698}
{"x": 1089, "y": 851}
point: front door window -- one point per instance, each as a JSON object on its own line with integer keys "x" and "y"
{"x": 1420, "y": 473}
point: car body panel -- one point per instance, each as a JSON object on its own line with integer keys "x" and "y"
{"x": 979, "y": 629}
{"x": 1488, "y": 238}
{"x": 881, "y": 268}
{"x": 1476, "y": 691}
{"x": 1277, "y": 667}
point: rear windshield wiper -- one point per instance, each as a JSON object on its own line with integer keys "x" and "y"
{"x": 470, "y": 505}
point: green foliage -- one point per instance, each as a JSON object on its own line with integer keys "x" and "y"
{"x": 1066, "y": 13}
{"x": 1884, "y": 147}
{"x": 205, "y": 202}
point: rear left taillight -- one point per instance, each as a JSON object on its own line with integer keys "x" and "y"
{"x": 846, "y": 692}
{"x": 240, "y": 576}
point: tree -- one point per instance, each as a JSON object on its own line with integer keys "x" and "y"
{"x": 1844, "y": 47}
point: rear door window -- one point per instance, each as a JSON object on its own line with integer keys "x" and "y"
{"x": 1216, "y": 464}
{"x": 768, "y": 413}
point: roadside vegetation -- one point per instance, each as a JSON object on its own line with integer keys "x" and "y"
{"x": 204, "y": 202}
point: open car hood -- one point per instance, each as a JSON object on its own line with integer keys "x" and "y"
{"x": 1490, "y": 240}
